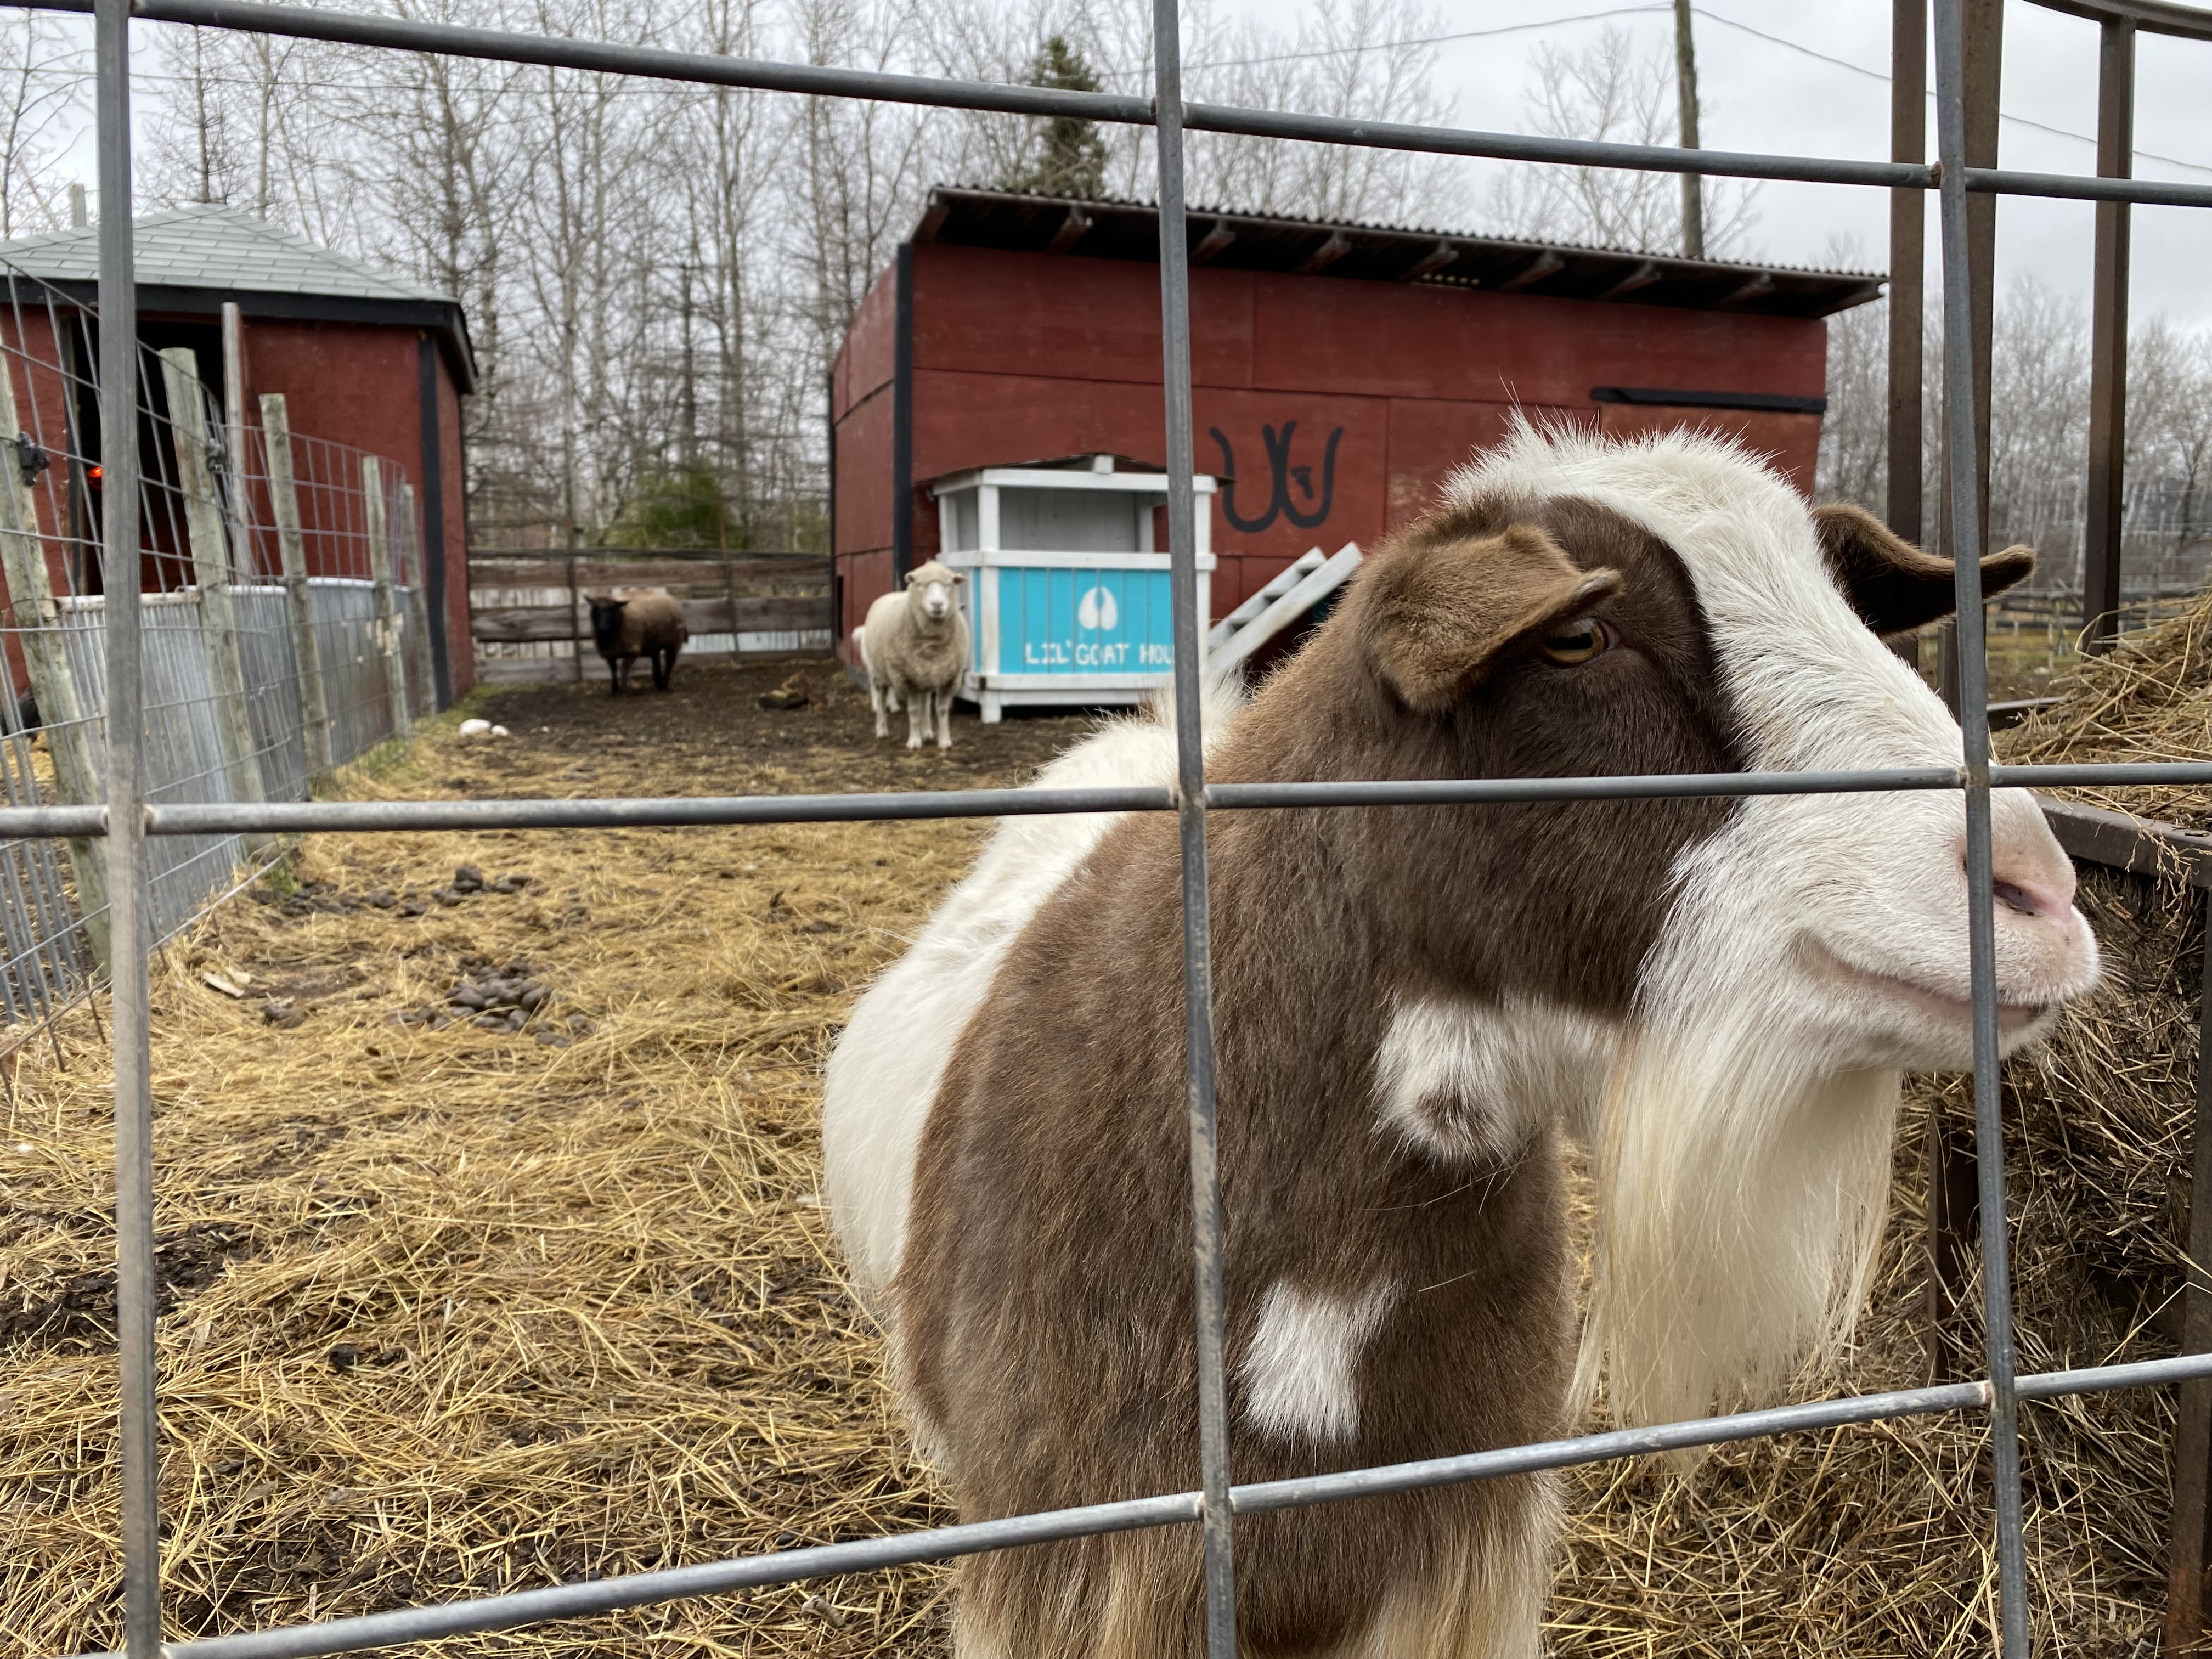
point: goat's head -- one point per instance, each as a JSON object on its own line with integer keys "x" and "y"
{"x": 1756, "y": 972}
{"x": 607, "y": 620}
{"x": 929, "y": 590}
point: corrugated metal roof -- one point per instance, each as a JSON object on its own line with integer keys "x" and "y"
{"x": 216, "y": 247}
{"x": 968, "y": 217}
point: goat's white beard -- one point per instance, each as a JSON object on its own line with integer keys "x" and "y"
{"x": 1740, "y": 1202}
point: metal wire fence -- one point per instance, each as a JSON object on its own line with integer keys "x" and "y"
{"x": 279, "y": 577}
{"x": 136, "y": 820}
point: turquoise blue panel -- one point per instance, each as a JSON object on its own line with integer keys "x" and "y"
{"x": 1084, "y": 621}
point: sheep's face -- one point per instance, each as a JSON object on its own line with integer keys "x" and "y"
{"x": 930, "y": 590}
{"x": 607, "y": 621}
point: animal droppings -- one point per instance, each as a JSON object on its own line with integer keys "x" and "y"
{"x": 467, "y": 878}
{"x": 344, "y": 1357}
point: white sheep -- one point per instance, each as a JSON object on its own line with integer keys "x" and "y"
{"x": 914, "y": 645}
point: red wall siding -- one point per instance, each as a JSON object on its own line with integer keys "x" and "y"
{"x": 358, "y": 384}
{"x": 1027, "y": 357}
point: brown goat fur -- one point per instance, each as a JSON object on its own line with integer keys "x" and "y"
{"x": 644, "y": 622}
{"x": 1043, "y": 1305}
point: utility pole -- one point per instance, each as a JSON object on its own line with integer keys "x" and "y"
{"x": 1685, "y": 87}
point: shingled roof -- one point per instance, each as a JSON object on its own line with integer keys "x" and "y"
{"x": 1231, "y": 240}
{"x": 193, "y": 259}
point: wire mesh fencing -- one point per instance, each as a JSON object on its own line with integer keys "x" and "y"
{"x": 285, "y": 628}
{"x": 137, "y": 824}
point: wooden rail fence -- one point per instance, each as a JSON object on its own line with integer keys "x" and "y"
{"x": 530, "y": 618}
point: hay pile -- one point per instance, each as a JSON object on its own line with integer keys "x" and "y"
{"x": 454, "y": 1310}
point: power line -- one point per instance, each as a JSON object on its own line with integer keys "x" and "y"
{"x": 1876, "y": 74}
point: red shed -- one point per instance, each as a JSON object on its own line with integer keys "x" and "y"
{"x": 365, "y": 357}
{"x": 1339, "y": 371}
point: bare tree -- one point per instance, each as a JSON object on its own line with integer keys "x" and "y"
{"x": 1611, "y": 90}
{"x": 40, "y": 74}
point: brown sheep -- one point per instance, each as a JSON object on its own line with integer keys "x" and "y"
{"x": 645, "y": 623}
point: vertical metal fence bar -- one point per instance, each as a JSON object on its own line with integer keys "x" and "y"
{"x": 1190, "y": 817}
{"x": 1964, "y": 460}
{"x": 127, "y": 893}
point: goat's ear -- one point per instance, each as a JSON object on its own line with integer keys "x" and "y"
{"x": 1440, "y": 612}
{"x": 1894, "y": 586}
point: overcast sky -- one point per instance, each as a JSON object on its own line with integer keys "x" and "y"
{"x": 1762, "y": 95}
{"x": 1787, "y": 76}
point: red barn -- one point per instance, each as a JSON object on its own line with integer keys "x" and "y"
{"x": 1339, "y": 371}
{"x": 365, "y": 357}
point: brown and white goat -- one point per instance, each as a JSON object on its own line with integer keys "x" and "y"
{"x": 1416, "y": 1007}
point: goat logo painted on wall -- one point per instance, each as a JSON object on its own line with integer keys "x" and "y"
{"x": 1096, "y": 612}
{"x": 1289, "y": 486}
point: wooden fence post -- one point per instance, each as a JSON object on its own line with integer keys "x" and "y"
{"x": 418, "y": 602}
{"x": 77, "y": 777}
{"x": 575, "y": 617}
{"x": 204, "y": 527}
{"x": 292, "y": 552}
{"x": 387, "y": 604}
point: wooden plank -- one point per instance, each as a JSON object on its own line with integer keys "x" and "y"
{"x": 510, "y": 624}
{"x": 203, "y": 528}
{"x": 551, "y": 570}
{"x": 306, "y": 646}
{"x": 2141, "y": 846}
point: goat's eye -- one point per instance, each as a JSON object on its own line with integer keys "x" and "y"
{"x": 1577, "y": 641}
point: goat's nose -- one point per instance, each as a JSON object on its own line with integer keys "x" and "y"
{"x": 2029, "y": 872}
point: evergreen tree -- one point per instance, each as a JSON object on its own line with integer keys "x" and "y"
{"x": 1073, "y": 158}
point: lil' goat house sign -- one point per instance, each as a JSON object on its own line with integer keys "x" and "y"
{"x": 1068, "y": 590}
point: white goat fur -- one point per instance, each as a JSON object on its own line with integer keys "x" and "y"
{"x": 914, "y": 645}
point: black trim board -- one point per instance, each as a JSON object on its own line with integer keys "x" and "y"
{"x": 903, "y": 420}
{"x": 1771, "y": 402}
{"x": 433, "y": 519}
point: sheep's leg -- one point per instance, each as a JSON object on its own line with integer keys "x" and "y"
{"x": 917, "y": 712}
{"x": 664, "y": 669}
{"x": 614, "y": 675}
{"x": 876, "y": 701}
{"x": 942, "y": 701}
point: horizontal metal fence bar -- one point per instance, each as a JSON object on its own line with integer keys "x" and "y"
{"x": 1452, "y": 792}
{"x": 299, "y": 818}
{"x": 2151, "y": 193}
{"x": 649, "y": 63}
{"x": 23, "y": 823}
{"x": 2089, "y": 775}
{"x": 1709, "y": 1431}
{"x": 1565, "y": 152}
{"x": 1307, "y": 1490}
{"x": 653, "y": 62}
{"x": 283, "y": 817}
{"x": 944, "y": 1543}
{"x": 598, "y": 1595}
